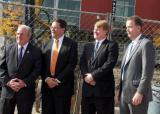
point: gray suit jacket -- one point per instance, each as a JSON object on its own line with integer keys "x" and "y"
{"x": 138, "y": 70}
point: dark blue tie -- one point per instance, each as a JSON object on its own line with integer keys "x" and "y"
{"x": 20, "y": 55}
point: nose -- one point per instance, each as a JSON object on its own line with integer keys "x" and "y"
{"x": 95, "y": 31}
{"x": 127, "y": 29}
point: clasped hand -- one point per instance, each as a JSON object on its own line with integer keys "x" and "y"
{"x": 89, "y": 79}
{"x": 52, "y": 82}
{"x": 16, "y": 84}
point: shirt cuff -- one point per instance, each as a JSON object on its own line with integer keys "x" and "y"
{"x": 47, "y": 79}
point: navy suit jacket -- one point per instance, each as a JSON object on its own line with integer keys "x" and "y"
{"x": 101, "y": 68}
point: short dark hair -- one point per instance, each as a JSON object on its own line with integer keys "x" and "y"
{"x": 62, "y": 23}
{"x": 138, "y": 21}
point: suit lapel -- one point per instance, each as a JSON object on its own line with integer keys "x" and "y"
{"x": 103, "y": 45}
{"x": 25, "y": 56}
{"x": 134, "y": 50}
{"x": 61, "y": 52}
{"x": 124, "y": 58}
{"x": 49, "y": 47}
{"x": 14, "y": 54}
{"x": 91, "y": 51}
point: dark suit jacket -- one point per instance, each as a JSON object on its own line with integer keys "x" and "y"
{"x": 101, "y": 68}
{"x": 28, "y": 70}
{"x": 66, "y": 63}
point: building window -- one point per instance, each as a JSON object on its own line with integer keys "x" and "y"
{"x": 125, "y": 7}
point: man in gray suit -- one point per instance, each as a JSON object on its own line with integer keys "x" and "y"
{"x": 136, "y": 70}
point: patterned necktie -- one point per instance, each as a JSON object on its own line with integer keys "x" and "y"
{"x": 96, "y": 48}
{"x": 54, "y": 57}
{"x": 20, "y": 54}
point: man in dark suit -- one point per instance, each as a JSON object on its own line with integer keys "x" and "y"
{"x": 19, "y": 68}
{"x": 59, "y": 62}
{"x": 136, "y": 70}
{"x": 97, "y": 63}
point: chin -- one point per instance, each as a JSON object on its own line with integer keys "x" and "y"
{"x": 95, "y": 36}
{"x": 18, "y": 42}
{"x": 129, "y": 36}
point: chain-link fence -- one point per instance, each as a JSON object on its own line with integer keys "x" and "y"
{"x": 80, "y": 27}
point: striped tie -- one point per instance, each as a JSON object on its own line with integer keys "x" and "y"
{"x": 96, "y": 48}
{"x": 20, "y": 54}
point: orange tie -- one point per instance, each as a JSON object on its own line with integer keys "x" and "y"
{"x": 54, "y": 57}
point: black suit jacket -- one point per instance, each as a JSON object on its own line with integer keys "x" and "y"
{"x": 28, "y": 70}
{"x": 101, "y": 68}
{"x": 66, "y": 63}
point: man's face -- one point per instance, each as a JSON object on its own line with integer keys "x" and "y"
{"x": 99, "y": 33}
{"x": 56, "y": 30}
{"x": 22, "y": 36}
{"x": 132, "y": 29}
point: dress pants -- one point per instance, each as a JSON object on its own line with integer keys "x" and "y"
{"x": 52, "y": 104}
{"x": 24, "y": 106}
{"x": 97, "y": 105}
{"x": 128, "y": 108}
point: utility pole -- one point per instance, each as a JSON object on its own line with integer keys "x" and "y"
{"x": 29, "y": 14}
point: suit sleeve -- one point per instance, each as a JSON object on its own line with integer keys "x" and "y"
{"x": 148, "y": 63}
{"x": 108, "y": 64}
{"x": 4, "y": 78}
{"x": 36, "y": 71}
{"x": 83, "y": 62}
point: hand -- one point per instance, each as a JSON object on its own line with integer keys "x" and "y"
{"x": 137, "y": 99}
{"x": 22, "y": 84}
{"x": 93, "y": 83}
{"x": 16, "y": 84}
{"x": 13, "y": 84}
{"x": 88, "y": 78}
{"x": 52, "y": 82}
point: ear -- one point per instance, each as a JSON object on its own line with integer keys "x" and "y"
{"x": 64, "y": 29}
{"x": 139, "y": 28}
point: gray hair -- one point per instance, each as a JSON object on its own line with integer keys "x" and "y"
{"x": 27, "y": 28}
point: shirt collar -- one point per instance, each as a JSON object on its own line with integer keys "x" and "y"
{"x": 60, "y": 39}
{"x": 24, "y": 46}
{"x": 136, "y": 39}
{"x": 100, "y": 41}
